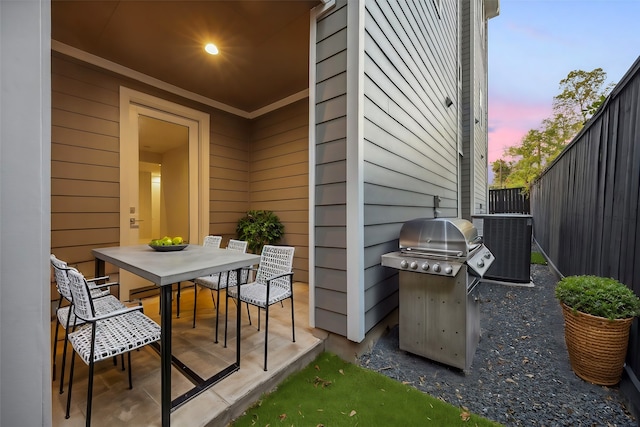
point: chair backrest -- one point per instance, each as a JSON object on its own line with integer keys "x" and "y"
{"x": 60, "y": 273}
{"x": 237, "y": 245}
{"x": 212, "y": 241}
{"x": 82, "y": 301}
{"x": 60, "y": 269}
{"x": 275, "y": 260}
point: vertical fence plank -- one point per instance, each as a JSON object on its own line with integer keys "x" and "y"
{"x": 509, "y": 200}
{"x": 586, "y": 204}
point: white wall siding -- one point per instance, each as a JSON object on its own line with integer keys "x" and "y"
{"x": 474, "y": 59}
{"x": 25, "y": 127}
{"x": 467, "y": 107}
{"x": 410, "y": 136}
{"x": 480, "y": 139}
{"x": 330, "y": 230}
{"x": 406, "y": 141}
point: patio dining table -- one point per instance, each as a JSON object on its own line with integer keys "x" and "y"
{"x": 164, "y": 269}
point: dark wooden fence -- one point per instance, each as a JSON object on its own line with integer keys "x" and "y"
{"x": 508, "y": 200}
{"x": 586, "y": 205}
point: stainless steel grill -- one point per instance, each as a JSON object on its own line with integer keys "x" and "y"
{"x": 440, "y": 261}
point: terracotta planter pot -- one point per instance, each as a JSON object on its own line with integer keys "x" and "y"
{"x": 597, "y": 346}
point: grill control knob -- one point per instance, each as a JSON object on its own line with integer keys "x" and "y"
{"x": 448, "y": 269}
{"x": 425, "y": 266}
{"x": 404, "y": 263}
{"x": 487, "y": 255}
{"x": 436, "y": 268}
{"x": 413, "y": 265}
{"x": 481, "y": 263}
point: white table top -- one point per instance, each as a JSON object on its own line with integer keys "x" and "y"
{"x": 166, "y": 268}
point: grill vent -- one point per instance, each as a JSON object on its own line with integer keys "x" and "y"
{"x": 508, "y": 237}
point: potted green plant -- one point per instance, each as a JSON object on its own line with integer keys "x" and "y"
{"x": 259, "y": 228}
{"x": 598, "y": 313}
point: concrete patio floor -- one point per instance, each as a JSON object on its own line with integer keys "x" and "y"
{"x": 115, "y": 405}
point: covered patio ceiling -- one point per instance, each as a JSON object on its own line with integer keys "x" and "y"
{"x": 264, "y": 45}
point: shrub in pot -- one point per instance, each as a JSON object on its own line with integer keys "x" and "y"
{"x": 598, "y": 313}
{"x": 259, "y": 228}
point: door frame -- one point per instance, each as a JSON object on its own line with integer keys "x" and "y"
{"x": 131, "y": 99}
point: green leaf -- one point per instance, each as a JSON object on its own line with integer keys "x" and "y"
{"x": 598, "y": 296}
{"x": 259, "y": 228}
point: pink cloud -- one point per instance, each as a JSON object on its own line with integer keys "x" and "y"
{"x": 510, "y": 120}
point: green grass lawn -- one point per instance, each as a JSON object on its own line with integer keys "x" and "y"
{"x": 537, "y": 258}
{"x": 331, "y": 392}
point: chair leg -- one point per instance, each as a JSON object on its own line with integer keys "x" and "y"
{"x": 73, "y": 361}
{"x": 217, "y": 310}
{"x": 91, "y": 366}
{"x": 130, "y": 380}
{"x": 122, "y": 358}
{"x": 64, "y": 360}
{"x": 266, "y": 331}
{"x": 55, "y": 339}
{"x": 64, "y": 348}
{"x": 249, "y": 314}
{"x": 293, "y": 324}
{"x": 89, "y": 393}
{"x": 55, "y": 347}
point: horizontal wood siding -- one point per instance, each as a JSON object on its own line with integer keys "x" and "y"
{"x": 466, "y": 108}
{"x": 473, "y": 58}
{"x": 85, "y": 187}
{"x": 228, "y": 173}
{"x": 480, "y": 137}
{"x": 85, "y": 162}
{"x": 330, "y": 171}
{"x": 410, "y": 136}
{"x": 279, "y": 177}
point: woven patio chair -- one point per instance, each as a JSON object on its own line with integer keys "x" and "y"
{"x": 105, "y": 302}
{"x": 104, "y": 335}
{"x": 215, "y": 282}
{"x": 208, "y": 242}
{"x": 273, "y": 283}
{"x": 212, "y": 241}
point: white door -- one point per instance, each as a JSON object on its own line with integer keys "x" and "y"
{"x": 163, "y": 174}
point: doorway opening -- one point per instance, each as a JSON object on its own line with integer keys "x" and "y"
{"x": 163, "y": 184}
{"x": 164, "y": 174}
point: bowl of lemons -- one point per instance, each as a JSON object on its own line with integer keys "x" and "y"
{"x": 168, "y": 244}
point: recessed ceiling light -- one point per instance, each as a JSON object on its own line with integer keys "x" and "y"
{"x": 211, "y": 49}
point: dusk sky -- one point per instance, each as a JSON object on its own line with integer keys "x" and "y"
{"x": 533, "y": 44}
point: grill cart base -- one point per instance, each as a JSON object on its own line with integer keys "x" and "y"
{"x": 439, "y": 320}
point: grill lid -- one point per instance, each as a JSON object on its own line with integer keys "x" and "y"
{"x": 439, "y": 236}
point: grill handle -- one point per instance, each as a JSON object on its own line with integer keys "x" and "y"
{"x": 444, "y": 251}
{"x": 477, "y": 240}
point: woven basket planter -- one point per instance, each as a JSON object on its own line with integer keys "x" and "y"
{"x": 597, "y": 346}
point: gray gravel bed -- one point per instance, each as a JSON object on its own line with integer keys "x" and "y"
{"x": 520, "y": 375}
